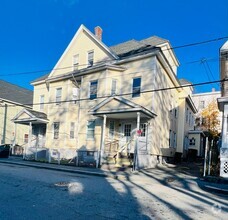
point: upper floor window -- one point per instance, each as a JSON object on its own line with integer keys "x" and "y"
{"x": 42, "y": 102}
{"x": 58, "y": 96}
{"x": 90, "y": 58}
{"x": 136, "y": 87}
{"x": 202, "y": 104}
{"x": 187, "y": 115}
{"x": 93, "y": 89}
{"x": 75, "y": 61}
{"x": 56, "y": 129}
{"x": 113, "y": 89}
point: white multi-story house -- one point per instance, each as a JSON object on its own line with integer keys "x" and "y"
{"x": 112, "y": 99}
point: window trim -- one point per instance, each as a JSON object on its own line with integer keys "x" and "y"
{"x": 56, "y": 97}
{"x": 95, "y": 95}
{"x": 87, "y": 129}
{"x": 41, "y": 102}
{"x": 72, "y": 130}
{"x": 54, "y": 131}
{"x": 136, "y": 94}
{"x": 88, "y": 60}
{"x": 75, "y": 64}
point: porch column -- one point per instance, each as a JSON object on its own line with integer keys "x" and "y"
{"x": 138, "y": 121}
{"x": 29, "y": 139}
{"x": 135, "y": 165}
{"x": 103, "y": 139}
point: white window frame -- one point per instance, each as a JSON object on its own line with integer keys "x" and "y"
{"x": 75, "y": 61}
{"x": 26, "y": 138}
{"x": 91, "y": 94}
{"x": 113, "y": 86}
{"x": 56, "y": 127}
{"x": 58, "y": 97}
{"x": 88, "y": 137}
{"x": 187, "y": 112}
{"x": 42, "y": 102}
{"x": 136, "y": 94}
{"x": 89, "y": 59}
{"x": 72, "y": 130}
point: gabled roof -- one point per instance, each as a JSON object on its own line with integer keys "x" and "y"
{"x": 15, "y": 93}
{"x": 31, "y": 116}
{"x": 133, "y": 45}
{"x": 126, "y": 107}
{"x": 83, "y": 28}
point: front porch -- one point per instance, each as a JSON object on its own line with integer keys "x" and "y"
{"x": 34, "y": 145}
{"x": 125, "y": 131}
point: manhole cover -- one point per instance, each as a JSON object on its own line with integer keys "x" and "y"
{"x": 62, "y": 184}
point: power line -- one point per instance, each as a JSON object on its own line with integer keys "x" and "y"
{"x": 125, "y": 94}
{"x": 105, "y": 61}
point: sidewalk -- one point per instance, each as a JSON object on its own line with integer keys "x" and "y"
{"x": 105, "y": 171}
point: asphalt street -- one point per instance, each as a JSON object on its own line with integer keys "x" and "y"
{"x": 32, "y": 193}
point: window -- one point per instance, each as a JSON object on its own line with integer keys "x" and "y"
{"x": 56, "y": 130}
{"x": 175, "y": 112}
{"x": 192, "y": 141}
{"x": 75, "y": 94}
{"x": 143, "y": 130}
{"x": 127, "y": 130}
{"x": 190, "y": 117}
{"x": 58, "y": 96}
{"x": 136, "y": 88}
{"x": 113, "y": 89}
{"x": 174, "y": 139}
{"x": 75, "y": 61}
{"x": 111, "y": 129}
{"x": 90, "y": 129}
{"x": 93, "y": 90}
{"x": 25, "y": 138}
{"x": 90, "y": 58}
{"x": 202, "y": 104}
{"x": 72, "y": 128}
{"x": 42, "y": 102}
{"x": 187, "y": 115}
{"x": 170, "y": 138}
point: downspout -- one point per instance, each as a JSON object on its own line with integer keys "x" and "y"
{"x": 4, "y": 124}
{"x": 79, "y": 113}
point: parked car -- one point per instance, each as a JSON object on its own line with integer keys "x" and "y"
{"x": 4, "y": 150}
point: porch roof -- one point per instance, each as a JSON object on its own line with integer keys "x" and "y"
{"x": 25, "y": 116}
{"x": 120, "y": 108}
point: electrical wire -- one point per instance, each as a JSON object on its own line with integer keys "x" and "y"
{"x": 100, "y": 62}
{"x": 124, "y": 94}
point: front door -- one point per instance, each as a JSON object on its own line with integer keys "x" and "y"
{"x": 125, "y": 135}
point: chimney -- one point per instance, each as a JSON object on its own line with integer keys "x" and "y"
{"x": 98, "y": 32}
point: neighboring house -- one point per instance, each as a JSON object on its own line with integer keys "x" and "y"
{"x": 12, "y": 100}
{"x": 187, "y": 111}
{"x": 110, "y": 95}
{"x": 223, "y": 107}
{"x": 201, "y": 101}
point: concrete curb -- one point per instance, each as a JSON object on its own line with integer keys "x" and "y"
{"x": 62, "y": 169}
{"x": 206, "y": 186}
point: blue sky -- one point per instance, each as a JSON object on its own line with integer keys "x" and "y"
{"x": 34, "y": 33}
